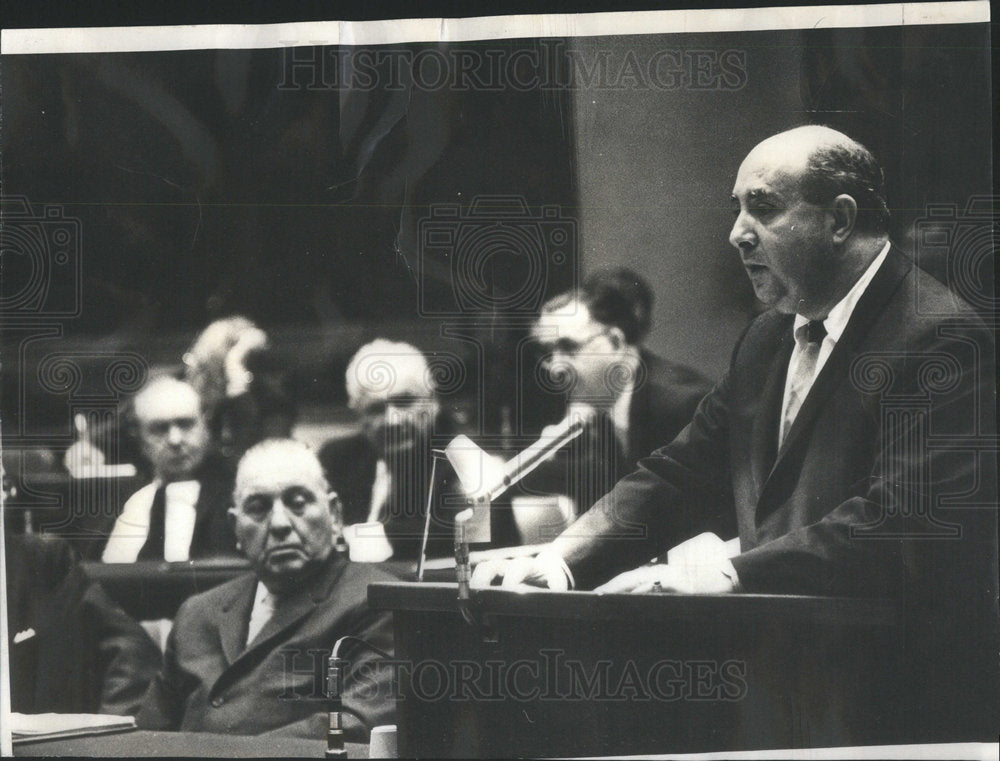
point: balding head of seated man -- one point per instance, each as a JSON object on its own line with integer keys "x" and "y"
{"x": 248, "y": 656}
{"x": 181, "y": 514}
{"x": 385, "y": 469}
{"x": 803, "y": 452}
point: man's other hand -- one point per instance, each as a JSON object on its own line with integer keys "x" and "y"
{"x": 546, "y": 569}
{"x": 692, "y": 579}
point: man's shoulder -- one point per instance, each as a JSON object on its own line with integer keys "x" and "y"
{"x": 666, "y": 374}
{"x": 928, "y": 302}
{"x": 218, "y": 597}
{"x": 364, "y": 574}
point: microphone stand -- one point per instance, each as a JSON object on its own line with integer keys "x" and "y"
{"x": 514, "y": 470}
{"x": 335, "y": 668}
{"x": 436, "y": 454}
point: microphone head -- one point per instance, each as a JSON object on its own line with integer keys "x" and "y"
{"x": 580, "y": 412}
{"x": 476, "y": 469}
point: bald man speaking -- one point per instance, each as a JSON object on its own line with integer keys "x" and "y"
{"x": 825, "y": 447}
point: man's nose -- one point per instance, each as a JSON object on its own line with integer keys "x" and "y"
{"x": 742, "y": 235}
{"x": 175, "y": 436}
{"x": 279, "y": 525}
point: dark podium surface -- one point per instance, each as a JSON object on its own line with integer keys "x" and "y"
{"x": 541, "y": 673}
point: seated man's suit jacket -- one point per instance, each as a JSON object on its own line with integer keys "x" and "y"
{"x": 664, "y": 398}
{"x": 72, "y": 649}
{"x": 885, "y": 484}
{"x": 350, "y": 466}
{"x": 212, "y": 682}
{"x": 213, "y": 531}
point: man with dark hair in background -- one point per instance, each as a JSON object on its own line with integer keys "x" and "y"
{"x": 842, "y": 446}
{"x": 594, "y": 337}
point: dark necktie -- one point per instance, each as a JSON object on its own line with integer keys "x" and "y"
{"x": 156, "y": 537}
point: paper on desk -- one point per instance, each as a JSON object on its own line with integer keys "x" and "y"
{"x": 37, "y": 726}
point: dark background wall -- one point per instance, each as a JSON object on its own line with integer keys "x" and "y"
{"x": 206, "y": 182}
{"x": 656, "y": 166}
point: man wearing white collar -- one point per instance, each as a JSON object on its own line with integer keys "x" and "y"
{"x": 848, "y": 446}
{"x": 182, "y": 513}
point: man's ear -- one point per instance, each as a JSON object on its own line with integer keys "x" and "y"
{"x": 845, "y": 216}
{"x": 336, "y": 511}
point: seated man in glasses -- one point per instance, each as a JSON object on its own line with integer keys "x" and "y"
{"x": 383, "y": 472}
{"x": 593, "y": 337}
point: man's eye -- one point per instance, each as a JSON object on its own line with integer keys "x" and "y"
{"x": 297, "y": 501}
{"x": 256, "y": 508}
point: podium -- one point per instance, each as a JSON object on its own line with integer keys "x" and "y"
{"x": 542, "y": 673}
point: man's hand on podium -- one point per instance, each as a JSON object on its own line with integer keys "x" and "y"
{"x": 547, "y": 569}
{"x": 693, "y": 579}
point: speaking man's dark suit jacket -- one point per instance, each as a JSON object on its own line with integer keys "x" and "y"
{"x": 212, "y": 682}
{"x": 889, "y": 430}
{"x": 663, "y": 402}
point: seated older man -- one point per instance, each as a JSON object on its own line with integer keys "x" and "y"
{"x": 181, "y": 514}
{"x": 247, "y": 657}
{"x": 384, "y": 471}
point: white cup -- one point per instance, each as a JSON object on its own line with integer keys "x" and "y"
{"x": 383, "y": 742}
{"x": 367, "y": 542}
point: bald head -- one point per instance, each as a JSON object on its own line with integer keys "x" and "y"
{"x": 389, "y": 384}
{"x": 171, "y": 427}
{"x": 829, "y": 164}
{"x": 288, "y": 457}
{"x": 810, "y": 218}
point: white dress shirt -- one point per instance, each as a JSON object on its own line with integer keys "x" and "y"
{"x": 623, "y": 404}
{"x": 260, "y": 614}
{"x": 132, "y": 527}
{"x": 835, "y": 323}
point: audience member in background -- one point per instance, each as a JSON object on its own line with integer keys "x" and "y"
{"x": 241, "y": 658}
{"x": 246, "y": 397}
{"x": 244, "y": 392}
{"x": 182, "y": 513}
{"x": 70, "y": 648}
{"x": 594, "y": 338}
{"x": 384, "y": 471}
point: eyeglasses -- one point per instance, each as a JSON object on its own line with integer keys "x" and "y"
{"x": 571, "y": 346}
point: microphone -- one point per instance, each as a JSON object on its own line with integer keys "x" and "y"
{"x": 335, "y": 672}
{"x": 466, "y": 458}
